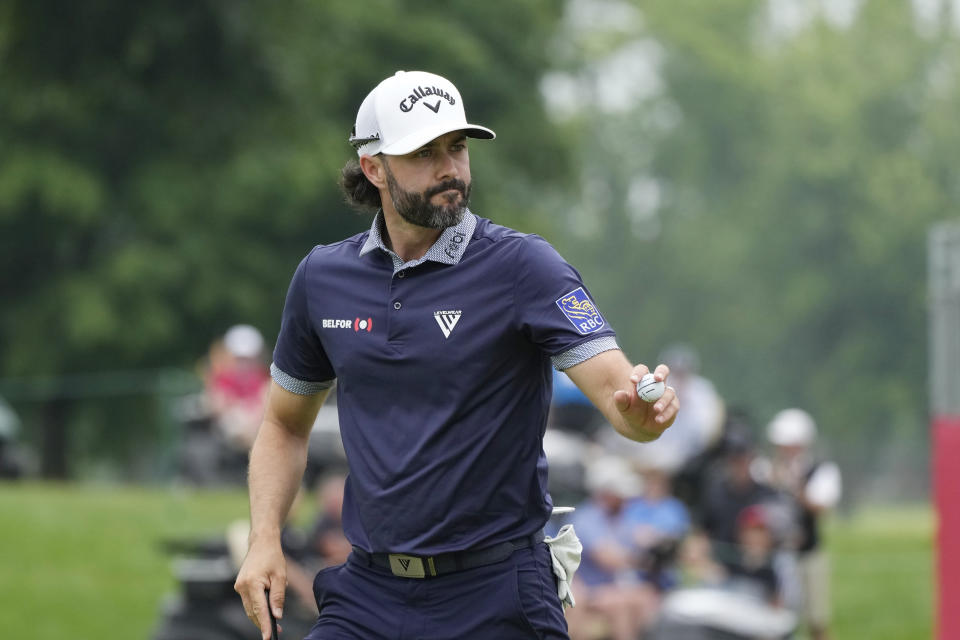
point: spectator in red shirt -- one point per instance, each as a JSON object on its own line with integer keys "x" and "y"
{"x": 237, "y": 383}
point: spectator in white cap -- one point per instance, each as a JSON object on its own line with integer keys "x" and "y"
{"x": 816, "y": 487}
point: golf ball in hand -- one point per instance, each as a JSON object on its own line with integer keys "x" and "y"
{"x": 649, "y": 389}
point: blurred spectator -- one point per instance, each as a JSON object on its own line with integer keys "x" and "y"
{"x": 816, "y": 487}
{"x": 237, "y": 383}
{"x": 14, "y": 462}
{"x": 696, "y": 562}
{"x": 751, "y": 565}
{"x": 731, "y": 488}
{"x": 659, "y": 522}
{"x": 733, "y": 592}
{"x": 220, "y": 424}
{"x": 570, "y": 410}
{"x": 568, "y": 453}
{"x": 327, "y": 540}
{"x": 613, "y": 601}
{"x": 690, "y": 483}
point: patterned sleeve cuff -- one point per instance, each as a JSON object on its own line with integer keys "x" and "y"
{"x": 582, "y": 352}
{"x": 294, "y": 385}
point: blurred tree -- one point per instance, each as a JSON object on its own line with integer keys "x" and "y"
{"x": 778, "y": 177}
{"x": 166, "y": 165}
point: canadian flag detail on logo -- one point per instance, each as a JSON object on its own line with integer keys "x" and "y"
{"x": 447, "y": 321}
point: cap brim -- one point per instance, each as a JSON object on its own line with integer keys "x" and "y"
{"x": 416, "y": 140}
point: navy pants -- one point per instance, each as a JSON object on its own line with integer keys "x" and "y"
{"x": 513, "y": 599}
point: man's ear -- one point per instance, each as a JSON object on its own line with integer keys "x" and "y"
{"x": 372, "y": 167}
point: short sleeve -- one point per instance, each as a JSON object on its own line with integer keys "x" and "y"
{"x": 300, "y": 364}
{"x": 824, "y": 486}
{"x": 554, "y": 307}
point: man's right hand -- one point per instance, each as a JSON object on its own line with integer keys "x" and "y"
{"x": 277, "y": 461}
{"x": 264, "y": 569}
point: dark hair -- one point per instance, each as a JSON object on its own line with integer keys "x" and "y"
{"x": 358, "y": 192}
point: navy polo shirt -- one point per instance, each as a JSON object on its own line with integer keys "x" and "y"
{"x": 443, "y": 371}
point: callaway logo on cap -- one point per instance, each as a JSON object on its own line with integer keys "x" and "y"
{"x": 408, "y": 110}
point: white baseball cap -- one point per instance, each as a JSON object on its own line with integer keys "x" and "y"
{"x": 408, "y": 110}
{"x": 792, "y": 427}
{"x": 243, "y": 341}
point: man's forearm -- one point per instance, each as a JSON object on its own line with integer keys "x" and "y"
{"x": 277, "y": 461}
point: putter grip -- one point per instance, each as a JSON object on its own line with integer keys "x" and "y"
{"x": 274, "y": 633}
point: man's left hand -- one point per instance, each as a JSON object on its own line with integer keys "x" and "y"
{"x": 647, "y": 419}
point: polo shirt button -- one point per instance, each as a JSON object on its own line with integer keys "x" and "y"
{"x": 402, "y": 274}
{"x": 397, "y": 305}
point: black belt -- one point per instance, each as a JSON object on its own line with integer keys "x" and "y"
{"x": 407, "y": 566}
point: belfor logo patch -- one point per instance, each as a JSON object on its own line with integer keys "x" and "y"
{"x": 358, "y": 324}
{"x": 580, "y": 311}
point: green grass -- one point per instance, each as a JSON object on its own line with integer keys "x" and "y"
{"x": 84, "y": 562}
{"x": 883, "y": 574}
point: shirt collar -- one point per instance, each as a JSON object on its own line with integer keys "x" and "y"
{"x": 448, "y": 249}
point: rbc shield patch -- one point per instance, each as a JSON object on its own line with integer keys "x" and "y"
{"x": 580, "y": 311}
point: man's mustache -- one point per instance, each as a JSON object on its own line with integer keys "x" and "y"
{"x": 447, "y": 185}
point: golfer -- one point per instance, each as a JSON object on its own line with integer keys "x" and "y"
{"x": 440, "y": 329}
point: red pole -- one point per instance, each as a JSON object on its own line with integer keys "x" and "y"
{"x": 946, "y": 488}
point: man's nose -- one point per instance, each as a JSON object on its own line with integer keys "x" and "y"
{"x": 446, "y": 166}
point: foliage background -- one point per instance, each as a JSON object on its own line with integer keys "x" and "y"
{"x": 770, "y": 190}
{"x": 756, "y": 178}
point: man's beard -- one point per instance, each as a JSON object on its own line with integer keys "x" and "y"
{"x": 417, "y": 209}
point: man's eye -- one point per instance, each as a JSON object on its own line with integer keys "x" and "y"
{"x": 458, "y": 147}
{"x": 424, "y": 153}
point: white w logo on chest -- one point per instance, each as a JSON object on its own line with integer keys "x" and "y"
{"x": 447, "y": 321}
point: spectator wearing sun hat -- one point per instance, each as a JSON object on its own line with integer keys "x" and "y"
{"x": 815, "y": 486}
